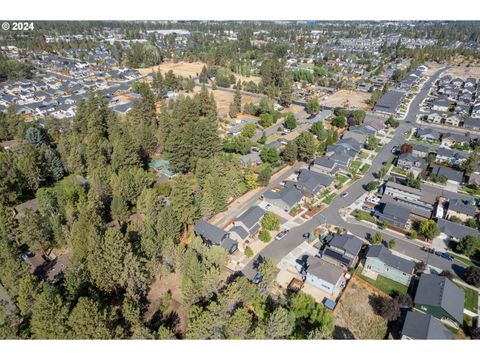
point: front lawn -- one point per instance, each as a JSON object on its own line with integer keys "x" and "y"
{"x": 355, "y": 164}
{"x": 363, "y": 215}
{"x": 364, "y": 169}
{"x": 341, "y": 179}
{"x": 388, "y": 286}
{"x": 471, "y": 299}
{"x": 363, "y": 155}
{"x": 329, "y": 198}
{"x": 397, "y": 170}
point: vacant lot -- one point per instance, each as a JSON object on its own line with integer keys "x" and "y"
{"x": 347, "y": 99}
{"x": 463, "y": 72}
{"x": 354, "y": 315}
{"x": 184, "y": 69}
{"x": 225, "y": 98}
{"x": 163, "y": 285}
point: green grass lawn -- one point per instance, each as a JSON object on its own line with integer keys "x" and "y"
{"x": 363, "y": 215}
{"x": 364, "y": 169}
{"x": 471, "y": 299}
{"x": 399, "y": 171}
{"x": 388, "y": 286}
{"x": 363, "y": 155}
{"x": 355, "y": 164}
{"x": 329, "y": 198}
{"x": 465, "y": 261}
{"x": 243, "y": 188}
{"x": 473, "y": 192}
{"x": 341, "y": 179}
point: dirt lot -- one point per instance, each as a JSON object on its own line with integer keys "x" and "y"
{"x": 354, "y": 315}
{"x": 463, "y": 72}
{"x": 184, "y": 69}
{"x": 160, "y": 287}
{"x": 348, "y": 99}
{"x": 225, "y": 98}
{"x": 187, "y": 69}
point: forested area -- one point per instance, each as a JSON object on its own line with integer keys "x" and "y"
{"x": 98, "y": 202}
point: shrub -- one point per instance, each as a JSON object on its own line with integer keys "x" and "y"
{"x": 264, "y": 235}
{"x": 248, "y": 252}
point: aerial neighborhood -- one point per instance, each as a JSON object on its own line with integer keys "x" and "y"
{"x": 227, "y": 174}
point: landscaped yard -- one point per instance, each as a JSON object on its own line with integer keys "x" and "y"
{"x": 355, "y": 164}
{"x": 364, "y": 169}
{"x": 388, "y": 286}
{"x": 340, "y": 179}
{"x": 399, "y": 171}
{"x": 363, "y": 215}
{"x": 363, "y": 155}
{"x": 471, "y": 299}
{"x": 462, "y": 259}
{"x": 329, "y": 198}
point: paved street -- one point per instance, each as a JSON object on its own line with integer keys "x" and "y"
{"x": 278, "y": 249}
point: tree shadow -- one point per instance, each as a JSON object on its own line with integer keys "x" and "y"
{"x": 342, "y": 333}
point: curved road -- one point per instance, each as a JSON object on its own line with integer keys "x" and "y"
{"x": 278, "y": 249}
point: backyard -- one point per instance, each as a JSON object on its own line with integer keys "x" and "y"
{"x": 355, "y": 318}
{"x": 471, "y": 299}
{"x": 383, "y": 284}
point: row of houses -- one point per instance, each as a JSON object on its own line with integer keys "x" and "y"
{"x": 390, "y": 102}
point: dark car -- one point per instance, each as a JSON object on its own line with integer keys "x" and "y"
{"x": 446, "y": 256}
{"x": 257, "y": 278}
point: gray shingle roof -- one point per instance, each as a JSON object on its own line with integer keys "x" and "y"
{"x": 210, "y": 232}
{"x": 252, "y": 216}
{"x": 390, "y": 101}
{"x": 349, "y": 243}
{"x": 393, "y": 261}
{"x": 459, "y": 206}
{"x": 425, "y": 327}
{"x": 455, "y": 230}
{"x": 324, "y": 270}
{"x": 449, "y": 173}
{"x": 435, "y": 290}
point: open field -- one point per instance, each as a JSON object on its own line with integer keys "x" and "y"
{"x": 348, "y": 99}
{"x": 225, "y": 98}
{"x": 354, "y": 315}
{"x": 463, "y": 72}
{"x": 184, "y": 69}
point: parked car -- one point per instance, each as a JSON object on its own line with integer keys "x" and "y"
{"x": 257, "y": 278}
{"x": 281, "y": 234}
{"x": 268, "y": 206}
{"x": 345, "y": 194}
{"x": 446, "y": 256}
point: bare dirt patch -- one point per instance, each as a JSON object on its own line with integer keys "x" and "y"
{"x": 184, "y": 69}
{"x": 224, "y": 99}
{"x": 163, "y": 285}
{"x": 463, "y": 72}
{"x": 354, "y": 315}
{"x": 347, "y": 99}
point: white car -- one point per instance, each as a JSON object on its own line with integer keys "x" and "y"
{"x": 268, "y": 206}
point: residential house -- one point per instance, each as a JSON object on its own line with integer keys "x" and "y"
{"x": 390, "y": 102}
{"x": 249, "y": 221}
{"x": 472, "y": 123}
{"x": 342, "y": 249}
{"x": 435, "y": 118}
{"x": 427, "y": 134}
{"x": 30, "y": 205}
{"x": 324, "y": 275}
{"x": 214, "y": 236}
{"x": 450, "y": 156}
{"x": 311, "y": 182}
{"x": 420, "y": 326}
{"x": 459, "y": 209}
{"x": 420, "y": 150}
{"x": 440, "y": 297}
{"x": 410, "y": 162}
{"x": 382, "y": 261}
{"x": 399, "y": 191}
{"x": 324, "y": 165}
{"x": 453, "y": 231}
{"x": 286, "y": 198}
{"x": 453, "y": 120}
{"x": 454, "y": 177}
{"x": 394, "y": 214}
{"x": 252, "y": 158}
{"x": 440, "y": 105}
{"x": 450, "y": 139}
